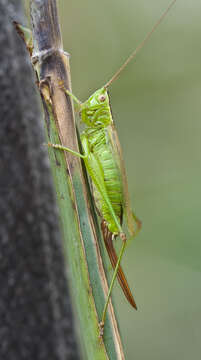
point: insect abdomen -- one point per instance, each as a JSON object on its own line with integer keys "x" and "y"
{"x": 101, "y": 149}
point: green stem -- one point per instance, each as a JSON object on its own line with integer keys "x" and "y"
{"x": 80, "y": 235}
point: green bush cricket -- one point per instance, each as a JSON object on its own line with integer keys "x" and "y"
{"x": 104, "y": 164}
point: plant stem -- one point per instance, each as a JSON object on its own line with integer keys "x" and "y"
{"x": 89, "y": 285}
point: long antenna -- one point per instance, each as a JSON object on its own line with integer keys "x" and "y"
{"x": 139, "y": 47}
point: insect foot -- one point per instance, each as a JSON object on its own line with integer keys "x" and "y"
{"x": 48, "y": 144}
{"x": 101, "y": 330}
{"x": 123, "y": 236}
{"x": 61, "y": 84}
{"x": 55, "y": 146}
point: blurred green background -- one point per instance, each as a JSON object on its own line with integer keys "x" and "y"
{"x": 156, "y": 107}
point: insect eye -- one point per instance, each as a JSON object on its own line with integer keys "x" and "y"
{"x": 102, "y": 98}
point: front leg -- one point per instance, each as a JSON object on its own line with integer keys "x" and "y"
{"x": 77, "y": 102}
